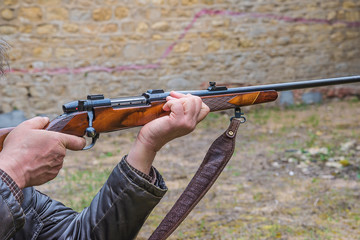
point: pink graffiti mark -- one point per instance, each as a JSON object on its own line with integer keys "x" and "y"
{"x": 169, "y": 50}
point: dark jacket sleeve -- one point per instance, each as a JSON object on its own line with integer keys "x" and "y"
{"x": 11, "y": 214}
{"x": 117, "y": 212}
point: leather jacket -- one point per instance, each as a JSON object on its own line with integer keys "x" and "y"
{"x": 117, "y": 212}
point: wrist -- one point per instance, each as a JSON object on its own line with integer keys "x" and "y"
{"x": 13, "y": 174}
{"x": 150, "y": 142}
{"x": 141, "y": 156}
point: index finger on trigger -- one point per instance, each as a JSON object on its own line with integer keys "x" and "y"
{"x": 72, "y": 142}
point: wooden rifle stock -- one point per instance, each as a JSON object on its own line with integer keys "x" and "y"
{"x": 109, "y": 118}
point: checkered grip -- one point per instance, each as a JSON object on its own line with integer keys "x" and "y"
{"x": 219, "y": 103}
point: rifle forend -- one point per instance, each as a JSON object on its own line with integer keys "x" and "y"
{"x": 98, "y": 114}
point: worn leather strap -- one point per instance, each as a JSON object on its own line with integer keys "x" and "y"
{"x": 213, "y": 164}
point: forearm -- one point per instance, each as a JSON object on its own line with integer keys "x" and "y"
{"x": 133, "y": 200}
{"x": 117, "y": 212}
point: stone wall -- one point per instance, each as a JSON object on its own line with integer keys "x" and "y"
{"x": 65, "y": 49}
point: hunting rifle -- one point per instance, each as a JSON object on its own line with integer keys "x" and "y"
{"x": 98, "y": 114}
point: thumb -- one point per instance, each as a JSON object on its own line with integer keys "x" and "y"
{"x": 35, "y": 123}
{"x": 72, "y": 142}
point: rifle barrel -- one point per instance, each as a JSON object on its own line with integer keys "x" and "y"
{"x": 280, "y": 86}
{"x": 304, "y": 84}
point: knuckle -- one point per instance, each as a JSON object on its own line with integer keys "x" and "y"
{"x": 60, "y": 138}
{"x": 189, "y": 125}
{"x": 197, "y": 98}
{"x": 58, "y": 167}
{"x": 53, "y": 175}
{"x": 198, "y": 101}
{"x": 207, "y": 109}
{"x": 60, "y": 157}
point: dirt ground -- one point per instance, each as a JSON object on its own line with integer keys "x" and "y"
{"x": 295, "y": 174}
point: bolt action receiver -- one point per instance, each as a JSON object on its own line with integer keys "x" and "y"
{"x": 90, "y": 130}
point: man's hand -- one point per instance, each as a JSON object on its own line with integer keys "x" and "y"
{"x": 186, "y": 112}
{"x": 32, "y": 156}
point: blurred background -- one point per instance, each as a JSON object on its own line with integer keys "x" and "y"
{"x": 63, "y": 50}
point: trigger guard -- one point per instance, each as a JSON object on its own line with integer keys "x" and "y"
{"x": 93, "y": 141}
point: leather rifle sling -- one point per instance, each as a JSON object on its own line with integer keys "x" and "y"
{"x": 213, "y": 164}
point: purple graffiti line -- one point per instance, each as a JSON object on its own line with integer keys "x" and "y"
{"x": 251, "y": 15}
{"x": 58, "y": 71}
{"x": 168, "y": 51}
